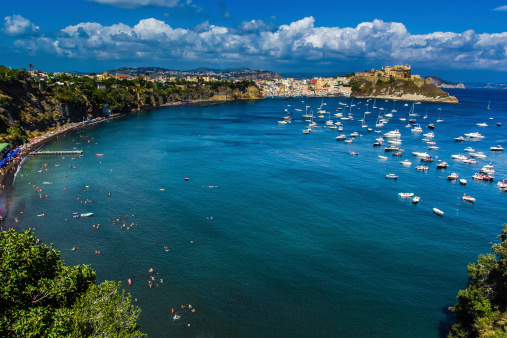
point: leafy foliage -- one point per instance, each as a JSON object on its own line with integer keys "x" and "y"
{"x": 481, "y": 310}
{"x": 40, "y": 296}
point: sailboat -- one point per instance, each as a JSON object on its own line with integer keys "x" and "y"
{"x": 367, "y": 112}
{"x": 378, "y": 124}
{"x": 394, "y": 107}
{"x": 439, "y": 119}
{"x": 374, "y": 106}
{"x": 306, "y": 115}
{"x": 489, "y": 102}
{"x": 426, "y": 116}
{"x": 364, "y": 121}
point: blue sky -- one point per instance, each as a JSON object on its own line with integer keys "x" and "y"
{"x": 456, "y": 40}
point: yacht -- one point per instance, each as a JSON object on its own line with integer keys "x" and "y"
{"x": 497, "y": 148}
{"x": 433, "y": 148}
{"x": 469, "y": 149}
{"x": 391, "y": 148}
{"x": 459, "y": 139}
{"x": 478, "y": 154}
{"x": 474, "y": 135}
{"x": 341, "y": 137}
{"x": 429, "y": 135}
{"x": 488, "y": 169}
{"x": 482, "y": 124}
{"x": 393, "y": 134}
{"x": 420, "y": 154}
{"x": 417, "y": 129}
{"x": 468, "y": 198}
{"x": 406, "y": 162}
{"x": 442, "y": 165}
{"x": 354, "y": 134}
{"x": 395, "y": 142}
{"x": 459, "y": 157}
{"x": 422, "y": 168}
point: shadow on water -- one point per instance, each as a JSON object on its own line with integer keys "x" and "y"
{"x": 444, "y": 325}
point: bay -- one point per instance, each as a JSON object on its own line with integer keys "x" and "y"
{"x": 275, "y": 232}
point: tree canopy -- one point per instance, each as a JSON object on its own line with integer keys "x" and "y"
{"x": 481, "y": 310}
{"x": 40, "y": 296}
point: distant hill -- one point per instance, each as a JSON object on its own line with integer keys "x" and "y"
{"x": 225, "y": 74}
{"x": 443, "y": 83}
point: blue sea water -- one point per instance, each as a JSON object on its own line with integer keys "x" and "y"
{"x": 276, "y": 233}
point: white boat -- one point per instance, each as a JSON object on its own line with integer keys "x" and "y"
{"x": 348, "y": 141}
{"x": 433, "y": 148}
{"x": 497, "y": 148}
{"x": 442, "y": 165}
{"x": 354, "y": 134}
{"x": 395, "y": 142}
{"x": 340, "y": 137}
{"x": 422, "y": 168}
{"x": 474, "y": 135}
{"x": 439, "y": 119}
{"x": 453, "y": 176}
{"x": 406, "y": 162}
{"x": 406, "y": 194}
{"x": 459, "y": 157}
{"x": 482, "y": 124}
{"x": 420, "y": 154}
{"x": 459, "y": 139}
{"x": 462, "y": 181}
{"x": 282, "y": 122}
{"x": 478, "y": 154}
{"x": 340, "y": 128}
{"x": 392, "y": 176}
{"x": 469, "y": 149}
{"x": 382, "y": 157}
{"x": 393, "y": 134}
{"x": 388, "y": 115}
{"x": 470, "y": 161}
{"x": 88, "y": 214}
{"x": 488, "y": 169}
{"x": 379, "y": 139}
{"x": 468, "y": 198}
{"x": 417, "y": 129}
{"x": 502, "y": 184}
{"x": 333, "y": 127}
{"x": 416, "y": 199}
{"x": 438, "y": 212}
{"x": 431, "y": 143}
{"x": 306, "y": 131}
{"x": 429, "y": 135}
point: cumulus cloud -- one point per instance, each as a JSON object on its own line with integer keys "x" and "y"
{"x": 501, "y": 8}
{"x": 17, "y": 25}
{"x": 257, "y": 42}
{"x": 143, "y": 3}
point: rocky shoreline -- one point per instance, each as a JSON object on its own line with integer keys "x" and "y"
{"x": 412, "y": 97}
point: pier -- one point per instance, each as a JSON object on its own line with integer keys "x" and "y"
{"x": 61, "y": 152}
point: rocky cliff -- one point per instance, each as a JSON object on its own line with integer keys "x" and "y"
{"x": 400, "y": 89}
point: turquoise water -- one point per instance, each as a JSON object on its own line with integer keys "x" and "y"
{"x": 276, "y": 233}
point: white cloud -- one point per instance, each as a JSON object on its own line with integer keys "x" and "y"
{"x": 254, "y": 42}
{"x": 143, "y": 3}
{"x": 501, "y": 8}
{"x": 17, "y": 25}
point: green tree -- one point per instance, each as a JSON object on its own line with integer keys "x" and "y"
{"x": 41, "y": 297}
{"x": 481, "y": 310}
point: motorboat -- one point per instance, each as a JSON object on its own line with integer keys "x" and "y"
{"x": 462, "y": 181}
{"x": 393, "y": 134}
{"x": 391, "y": 148}
{"x": 377, "y": 144}
{"x": 459, "y": 139}
{"x": 420, "y": 154}
{"x": 483, "y": 177}
{"x": 438, "y": 212}
{"x": 406, "y": 162}
{"x": 417, "y": 129}
{"x": 392, "y": 176}
{"x": 488, "y": 169}
{"x": 341, "y": 137}
{"x": 306, "y": 131}
{"x": 333, "y": 127}
{"x": 482, "y": 124}
{"x": 470, "y": 161}
{"x": 382, "y": 157}
{"x": 502, "y": 184}
{"x": 395, "y": 142}
{"x": 88, "y": 214}
{"x": 349, "y": 141}
{"x": 442, "y": 165}
{"x": 416, "y": 199}
{"x": 474, "y": 135}
{"x": 479, "y": 154}
{"x": 354, "y": 134}
{"x": 398, "y": 154}
{"x": 340, "y": 128}
{"x": 429, "y": 135}
{"x": 459, "y": 157}
{"x": 406, "y": 194}
{"x": 497, "y": 148}
{"x": 453, "y": 176}
{"x": 422, "y": 167}
{"x": 379, "y": 139}
{"x": 433, "y": 148}
{"x": 431, "y": 126}
{"x": 282, "y": 122}
{"x": 353, "y": 153}
{"x": 431, "y": 143}
{"x": 427, "y": 159}
{"x": 469, "y": 149}
{"x": 468, "y": 198}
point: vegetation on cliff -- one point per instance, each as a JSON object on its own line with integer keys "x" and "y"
{"x": 28, "y": 107}
{"x": 397, "y": 88}
{"x": 41, "y": 297}
{"x": 481, "y": 310}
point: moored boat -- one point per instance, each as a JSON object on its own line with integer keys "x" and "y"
{"x": 438, "y": 212}
{"x": 442, "y": 165}
{"x": 392, "y": 176}
{"x": 497, "y": 148}
{"x": 453, "y": 176}
{"x": 406, "y": 194}
{"x": 468, "y": 198}
{"x": 462, "y": 181}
